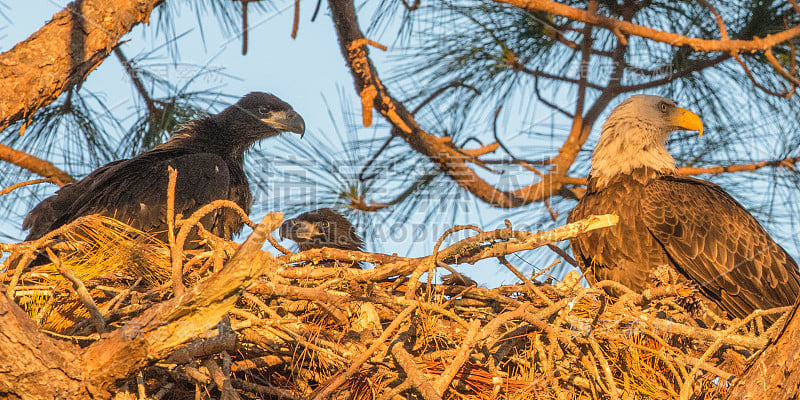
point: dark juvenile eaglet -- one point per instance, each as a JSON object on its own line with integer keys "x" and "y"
{"x": 208, "y": 154}
{"x": 690, "y": 225}
{"x": 322, "y": 228}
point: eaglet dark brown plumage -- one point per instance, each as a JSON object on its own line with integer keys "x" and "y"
{"x": 320, "y": 228}
{"x": 208, "y": 154}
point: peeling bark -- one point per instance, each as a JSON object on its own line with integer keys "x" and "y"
{"x": 32, "y": 364}
{"x": 63, "y": 52}
{"x": 775, "y": 374}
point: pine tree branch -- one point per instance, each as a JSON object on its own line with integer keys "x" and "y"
{"x": 63, "y": 53}
{"x": 452, "y": 160}
{"x": 155, "y": 115}
{"x": 449, "y": 159}
{"x": 33, "y": 164}
{"x": 696, "y": 67}
{"x": 788, "y": 162}
{"x": 617, "y": 26}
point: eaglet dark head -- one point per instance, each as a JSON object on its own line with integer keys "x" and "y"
{"x": 208, "y": 153}
{"x": 321, "y": 228}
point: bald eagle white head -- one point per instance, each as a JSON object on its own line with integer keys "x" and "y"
{"x": 635, "y": 136}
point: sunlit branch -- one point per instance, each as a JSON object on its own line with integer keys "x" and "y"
{"x": 443, "y": 153}
{"x": 673, "y": 39}
{"x": 34, "y": 164}
{"x": 63, "y": 52}
{"x": 789, "y": 162}
{"x": 26, "y": 183}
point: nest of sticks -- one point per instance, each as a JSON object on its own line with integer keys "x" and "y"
{"x": 309, "y": 326}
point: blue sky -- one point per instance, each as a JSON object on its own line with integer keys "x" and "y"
{"x": 309, "y": 73}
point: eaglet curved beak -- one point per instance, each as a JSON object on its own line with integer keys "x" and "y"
{"x": 295, "y": 229}
{"x": 687, "y": 120}
{"x": 287, "y": 121}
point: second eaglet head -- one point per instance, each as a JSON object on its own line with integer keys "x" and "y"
{"x": 260, "y": 115}
{"x": 635, "y": 136}
{"x": 321, "y": 228}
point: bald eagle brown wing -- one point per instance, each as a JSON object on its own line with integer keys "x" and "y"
{"x": 715, "y": 242}
{"x": 622, "y": 253}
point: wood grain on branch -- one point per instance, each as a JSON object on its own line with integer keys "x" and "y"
{"x": 63, "y": 52}
{"x": 35, "y": 365}
{"x": 775, "y": 373}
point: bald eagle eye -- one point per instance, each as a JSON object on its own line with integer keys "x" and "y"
{"x": 323, "y": 224}
{"x": 263, "y": 110}
{"x": 663, "y": 107}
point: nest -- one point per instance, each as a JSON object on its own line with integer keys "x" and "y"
{"x": 312, "y": 328}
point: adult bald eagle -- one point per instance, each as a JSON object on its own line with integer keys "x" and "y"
{"x": 691, "y": 225}
{"x": 324, "y": 227}
{"x": 208, "y": 154}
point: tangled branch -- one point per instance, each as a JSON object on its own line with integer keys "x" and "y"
{"x": 308, "y": 331}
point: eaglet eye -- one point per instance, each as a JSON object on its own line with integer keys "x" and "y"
{"x": 663, "y": 107}
{"x": 324, "y": 224}
{"x": 263, "y": 110}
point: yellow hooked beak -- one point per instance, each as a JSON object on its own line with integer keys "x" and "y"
{"x": 687, "y": 120}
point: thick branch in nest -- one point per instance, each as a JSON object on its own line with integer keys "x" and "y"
{"x": 153, "y": 335}
{"x": 165, "y": 327}
{"x": 337, "y": 335}
{"x": 775, "y": 374}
